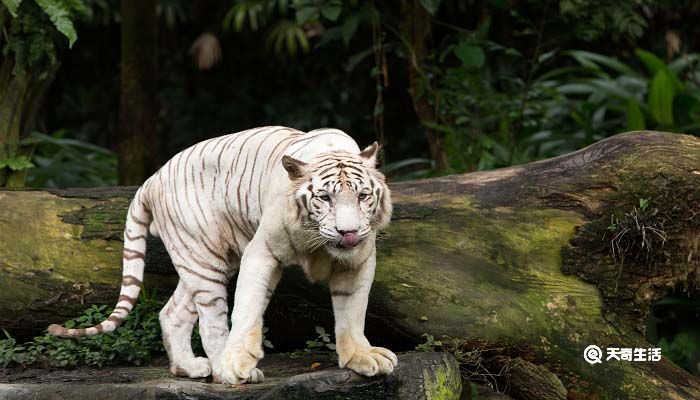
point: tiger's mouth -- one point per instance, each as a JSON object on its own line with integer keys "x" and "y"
{"x": 347, "y": 241}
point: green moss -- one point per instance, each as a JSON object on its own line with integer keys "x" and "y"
{"x": 443, "y": 383}
{"x": 484, "y": 275}
{"x": 62, "y": 259}
{"x": 104, "y": 220}
{"x": 495, "y": 275}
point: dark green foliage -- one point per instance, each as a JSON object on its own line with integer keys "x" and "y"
{"x": 593, "y": 18}
{"x": 491, "y": 117}
{"x": 59, "y": 161}
{"x": 291, "y": 21}
{"x": 674, "y": 325}
{"x": 134, "y": 342}
{"x": 36, "y": 26}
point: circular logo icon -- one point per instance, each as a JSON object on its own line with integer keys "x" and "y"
{"x": 593, "y": 354}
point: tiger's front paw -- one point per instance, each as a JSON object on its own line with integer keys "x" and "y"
{"x": 231, "y": 377}
{"x": 373, "y": 361}
{"x": 239, "y": 362}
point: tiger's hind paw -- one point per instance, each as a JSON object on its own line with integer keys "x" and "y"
{"x": 196, "y": 368}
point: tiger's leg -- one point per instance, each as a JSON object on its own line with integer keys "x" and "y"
{"x": 177, "y": 319}
{"x": 205, "y": 284}
{"x": 350, "y": 293}
{"x": 258, "y": 276}
{"x": 210, "y": 299}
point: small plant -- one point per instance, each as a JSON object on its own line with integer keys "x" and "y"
{"x": 321, "y": 344}
{"x": 10, "y": 352}
{"x": 643, "y": 204}
{"x": 430, "y": 344}
{"x": 613, "y": 225}
{"x": 265, "y": 341}
{"x": 639, "y": 233}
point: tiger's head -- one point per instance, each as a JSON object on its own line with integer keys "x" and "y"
{"x": 341, "y": 197}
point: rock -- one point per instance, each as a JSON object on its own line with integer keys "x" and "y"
{"x": 419, "y": 376}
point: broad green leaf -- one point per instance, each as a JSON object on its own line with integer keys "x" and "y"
{"x": 661, "y": 96}
{"x": 303, "y": 41}
{"x": 431, "y": 6}
{"x": 16, "y": 163}
{"x": 546, "y": 56}
{"x": 307, "y": 14}
{"x": 470, "y": 55}
{"x": 612, "y": 88}
{"x": 651, "y": 62}
{"x": 332, "y": 10}
{"x": 253, "y": 19}
{"x": 329, "y": 36}
{"x": 635, "y": 118}
{"x": 60, "y": 17}
{"x": 594, "y": 61}
{"x": 234, "y": 18}
{"x": 350, "y": 27}
{"x": 408, "y": 162}
{"x": 559, "y": 72}
{"x": 358, "y": 58}
{"x": 12, "y": 6}
{"x": 654, "y": 64}
{"x": 291, "y": 42}
{"x": 239, "y": 20}
{"x": 576, "y": 88}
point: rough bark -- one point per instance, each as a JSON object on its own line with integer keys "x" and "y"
{"x": 416, "y": 28}
{"x": 510, "y": 267}
{"x": 22, "y": 94}
{"x": 419, "y": 376}
{"x": 137, "y": 104}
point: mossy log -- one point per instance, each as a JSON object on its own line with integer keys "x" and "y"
{"x": 419, "y": 376}
{"x": 513, "y": 269}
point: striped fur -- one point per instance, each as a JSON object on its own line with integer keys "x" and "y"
{"x": 254, "y": 202}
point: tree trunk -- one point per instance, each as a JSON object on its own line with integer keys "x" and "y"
{"x": 415, "y": 28}
{"x": 21, "y": 97}
{"x": 137, "y": 105}
{"x": 511, "y": 269}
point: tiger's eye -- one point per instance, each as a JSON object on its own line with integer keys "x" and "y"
{"x": 325, "y": 197}
{"x": 363, "y": 196}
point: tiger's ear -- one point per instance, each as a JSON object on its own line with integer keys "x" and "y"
{"x": 295, "y": 168}
{"x": 369, "y": 154}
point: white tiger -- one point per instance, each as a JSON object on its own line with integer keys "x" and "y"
{"x": 259, "y": 199}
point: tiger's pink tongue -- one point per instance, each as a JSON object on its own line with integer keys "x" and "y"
{"x": 349, "y": 240}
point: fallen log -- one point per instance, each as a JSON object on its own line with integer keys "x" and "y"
{"x": 515, "y": 270}
{"x": 420, "y": 376}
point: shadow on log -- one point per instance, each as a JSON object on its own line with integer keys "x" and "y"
{"x": 515, "y": 264}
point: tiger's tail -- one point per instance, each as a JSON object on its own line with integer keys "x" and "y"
{"x": 137, "y": 222}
